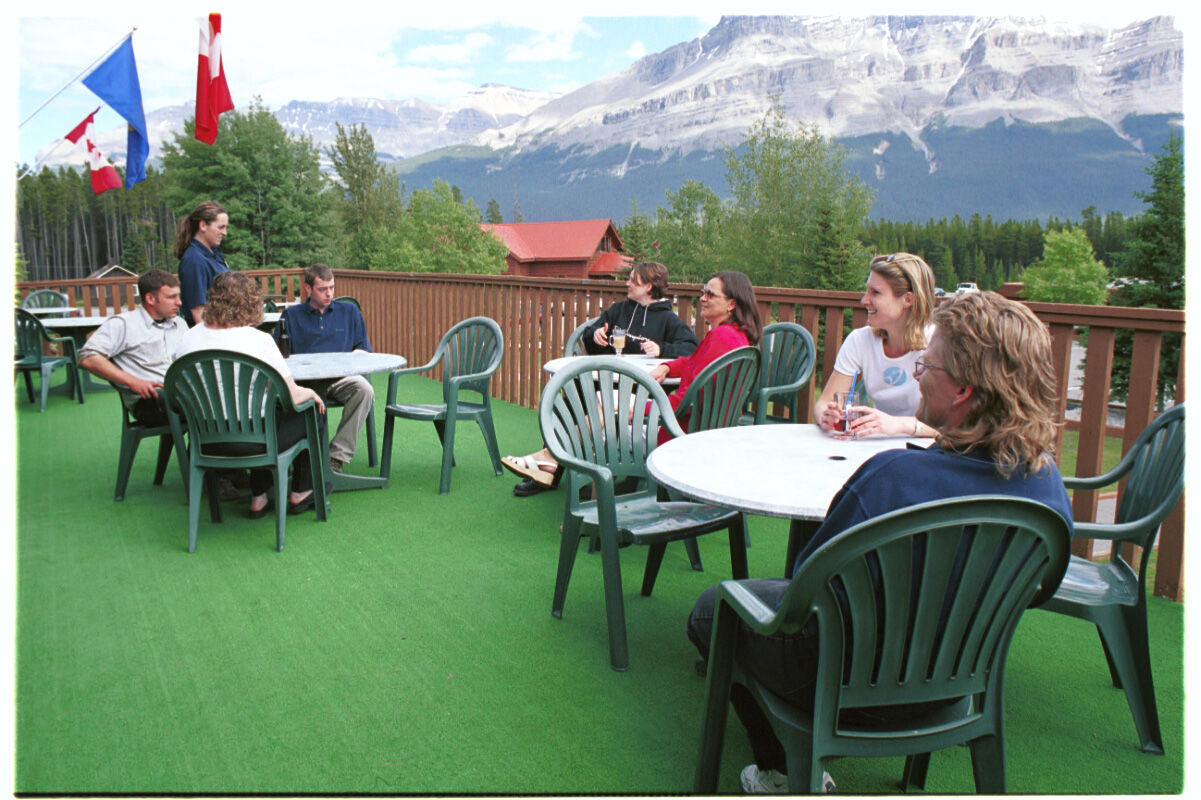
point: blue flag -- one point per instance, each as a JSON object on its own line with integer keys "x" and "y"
{"x": 116, "y": 83}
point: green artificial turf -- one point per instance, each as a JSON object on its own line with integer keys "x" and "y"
{"x": 407, "y": 646}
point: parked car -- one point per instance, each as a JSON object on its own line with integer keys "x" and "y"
{"x": 964, "y": 288}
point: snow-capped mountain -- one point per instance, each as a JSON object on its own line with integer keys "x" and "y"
{"x": 852, "y": 77}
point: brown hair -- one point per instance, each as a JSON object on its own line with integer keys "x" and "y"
{"x": 233, "y": 300}
{"x": 737, "y": 287}
{"x": 1000, "y": 349}
{"x": 151, "y": 281}
{"x": 187, "y": 227}
{"x": 311, "y": 274}
{"x": 654, "y": 273}
{"x": 906, "y": 272}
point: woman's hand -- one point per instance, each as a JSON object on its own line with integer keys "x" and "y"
{"x": 601, "y": 335}
{"x": 875, "y": 421}
{"x": 659, "y": 373}
{"x": 650, "y": 348}
{"x": 830, "y": 416}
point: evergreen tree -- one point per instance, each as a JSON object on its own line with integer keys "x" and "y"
{"x": 492, "y": 215}
{"x": 637, "y": 235}
{"x": 1150, "y": 270}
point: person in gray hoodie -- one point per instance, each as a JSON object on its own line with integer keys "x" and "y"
{"x": 652, "y": 328}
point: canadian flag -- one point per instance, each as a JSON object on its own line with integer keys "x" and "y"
{"x": 212, "y": 92}
{"x": 104, "y": 174}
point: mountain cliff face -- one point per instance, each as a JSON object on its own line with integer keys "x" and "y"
{"x": 852, "y": 77}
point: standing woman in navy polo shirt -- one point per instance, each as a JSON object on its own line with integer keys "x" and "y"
{"x": 198, "y": 248}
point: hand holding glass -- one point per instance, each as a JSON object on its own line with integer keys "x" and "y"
{"x": 845, "y": 402}
{"x": 619, "y": 339}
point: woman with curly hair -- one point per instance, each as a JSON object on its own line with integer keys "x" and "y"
{"x": 233, "y": 312}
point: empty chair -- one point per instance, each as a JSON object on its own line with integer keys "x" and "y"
{"x": 788, "y": 360}
{"x": 470, "y": 353}
{"x": 30, "y": 357}
{"x": 917, "y": 606}
{"x": 1113, "y": 595}
{"x": 48, "y": 298}
{"x": 603, "y": 438}
{"x": 575, "y": 344}
{"x": 228, "y": 398}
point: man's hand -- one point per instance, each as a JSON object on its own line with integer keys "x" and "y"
{"x": 659, "y": 373}
{"x": 650, "y": 348}
{"x": 143, "y": 388}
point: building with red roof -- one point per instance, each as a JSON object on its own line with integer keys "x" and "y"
{"x": 587, "y": 248}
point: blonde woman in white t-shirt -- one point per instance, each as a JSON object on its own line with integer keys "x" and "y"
{"x": 899, "y": 299}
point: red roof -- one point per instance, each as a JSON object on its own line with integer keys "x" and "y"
{"x": 555, "y": 241}
{"x": 611, "y": 264}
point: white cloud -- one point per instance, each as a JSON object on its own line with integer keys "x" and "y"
{"x": 554, "y": 41}
{"x": 636, "y": 50}
{"x": 461, "y": 52}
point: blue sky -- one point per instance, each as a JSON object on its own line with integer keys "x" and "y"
{"x": 373, "y": 50}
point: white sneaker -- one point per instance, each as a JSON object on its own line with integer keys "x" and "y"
{"x": 769, "y": 781}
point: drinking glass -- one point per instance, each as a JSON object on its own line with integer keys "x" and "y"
{"x": 619, "y": 339}
{"x": 845, "y": 400}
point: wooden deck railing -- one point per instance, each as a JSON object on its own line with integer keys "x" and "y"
{"x": 407, "y": 313}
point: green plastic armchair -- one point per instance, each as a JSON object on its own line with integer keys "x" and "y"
{"x": 231, "y": 398}
{"x": 604, "y": 437}
{"x": 715, "y": 399}
{"x": 30, "y": 358}
{"x": 132, "y": 434}
{"x": 917, "y": 606}
{"x": 470, "y": 353}
{"x": 48, "y": 298}
{"x": 788, "y": 360}
{"x": 1113, "y": 595}
{"x": 575, "y": 343}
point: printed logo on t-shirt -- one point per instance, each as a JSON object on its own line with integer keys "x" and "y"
{"x": 894, "y": 376}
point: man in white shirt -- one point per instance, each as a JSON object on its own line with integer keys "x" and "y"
{"x": 134, "y": 348}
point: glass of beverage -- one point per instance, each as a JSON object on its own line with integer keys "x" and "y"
{"x": 845, "y": 400}
{"x": 618, "y": 338}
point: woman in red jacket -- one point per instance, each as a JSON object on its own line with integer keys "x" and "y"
{"x": 728, "y": 306}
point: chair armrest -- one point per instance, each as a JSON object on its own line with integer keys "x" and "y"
{"x": 67, "y": 342}
{"x": 394, "y": 376}
{"x": 747, "y": 605}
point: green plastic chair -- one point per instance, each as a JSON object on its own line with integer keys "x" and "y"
{"x": 132, "y": 434}
{"x": 1113, "y": 595}
{"x": 30, "y": 358}
{"x": 348, "y": 299}
{"x": 715, "y": 399}
{"x": 470, "y": 353}
{"x": 231, "y": 398}
{"x": 788, "y": 360}
{"x": 604, "y": 438}
{"x": 889, "y": 633}
{"x": 48, "y": 298}
{"x": 575, "y": 344}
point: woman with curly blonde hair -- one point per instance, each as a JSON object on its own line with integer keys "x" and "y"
{"x": 899, "y": 298}
{"x": 234, "y": 309}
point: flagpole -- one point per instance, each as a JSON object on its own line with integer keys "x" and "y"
{"x": 85, "y": 71}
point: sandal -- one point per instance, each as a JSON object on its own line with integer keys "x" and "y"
{"x": 529, "y": 467}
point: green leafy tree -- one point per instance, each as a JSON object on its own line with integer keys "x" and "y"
{"x": 370, "y": 204}
{"x": 281, "y": 211}
{"x": 638, "y": 235}
{"x": 492, "y": 213}
{"x": 439, "y": 234}
{"x": 689, "y": 231}
{"x": 1068, "y": 271}
{"x": 797, "y": 209}
{"x": 1150, "y": 270}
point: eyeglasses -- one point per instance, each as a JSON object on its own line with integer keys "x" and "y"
{"x": 707, "y": 292}
{"x": 920, "y": 366}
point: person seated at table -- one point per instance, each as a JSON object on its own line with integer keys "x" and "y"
{"x": 233, "y": 312}
{"x": 988, "y": 391}
{"x": 319, "y": 325}
{"x": 134, "y": 348}
{"x": 653, "y": 329}
{"x": 899, "y": 299}
{"x": 729, "y": 308}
